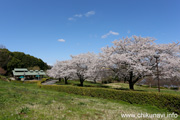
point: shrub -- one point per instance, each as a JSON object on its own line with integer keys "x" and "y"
{"x": 174, "y": 88}
{"x": 3, "y": 78}
{"x": 167, "y": 101}
{"x": 108, "y": 80}
{"x": 31, "y": 81}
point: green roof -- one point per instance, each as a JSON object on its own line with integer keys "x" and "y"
{"x": 20, "y": 69}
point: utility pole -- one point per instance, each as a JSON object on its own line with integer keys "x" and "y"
{"x": 157, "y": 57}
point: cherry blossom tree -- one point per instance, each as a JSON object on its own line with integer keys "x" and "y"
{"x": 83, "y": 65}
{"x": 130, "y": 59}
{"x": 62, "y": 69}
{"x": 133, "y": 58}
{"x": 96, "y": 68}
{"x": 54, "y": 71}
{"x": 65, "y": 70}
{"x": 169, "y": 60}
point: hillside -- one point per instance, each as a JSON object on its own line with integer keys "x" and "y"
{"x": 10, "y": 60}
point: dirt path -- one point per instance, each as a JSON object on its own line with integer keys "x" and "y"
{"x": 51, "y": 82}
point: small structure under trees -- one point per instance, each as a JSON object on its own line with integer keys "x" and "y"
{"x": 23, "y": 73}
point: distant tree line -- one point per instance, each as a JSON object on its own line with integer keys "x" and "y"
{"x": 10, "y": 60}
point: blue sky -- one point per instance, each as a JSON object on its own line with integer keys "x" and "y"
{"x": 55, "y": 29}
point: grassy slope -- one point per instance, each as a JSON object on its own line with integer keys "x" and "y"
{"x": 26, "y": 101}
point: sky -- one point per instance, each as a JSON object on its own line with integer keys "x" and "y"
{"x": 55, "y": 29}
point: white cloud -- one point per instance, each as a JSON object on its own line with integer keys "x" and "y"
{"x": 109, "y": 33}
{"x": 104, "y": 36}
{"x": 113, "y": 33}
{"x": 78, "y": 15}
{"x": 128, "y": 31}
{"x": 61, "y": 40}
{"x": 71, "y": 19}
{"x": 89, "y": 13}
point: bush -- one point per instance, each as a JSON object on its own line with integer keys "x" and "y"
{"x": 174, "y": 88}
{"x": 108, "y": 80}
{"x": 160, "y": 87}
{"x": 31, "y": 81}
{"x": 167, "y": 101}
{"x": 4, "y": 78}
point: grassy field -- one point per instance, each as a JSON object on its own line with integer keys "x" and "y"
{"x": 85, "y": 84}
{"x": 20, "y": 101}
{"x": 125, "y": 86}
{"x": 119, "y": 86}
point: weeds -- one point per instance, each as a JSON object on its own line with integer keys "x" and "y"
{"x": 24, "y": 110}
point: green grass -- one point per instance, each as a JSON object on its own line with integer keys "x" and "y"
{"x": 125, "y": 86}
{"x": 119, "y": 86}
{"x": 85, "y": 84}
{"x": 20, "y": 101}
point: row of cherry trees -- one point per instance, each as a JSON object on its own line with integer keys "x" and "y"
{"x": 129, "y": 59}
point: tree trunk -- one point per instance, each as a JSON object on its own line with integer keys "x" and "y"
{"x": 81, "y": 81}
{"x": 59, "y": 79}
{"x": 125, "y": 79}
{"x": 131, "y": 84}
{"x": 65, "y": 80}
{"x": 94, "y": 80}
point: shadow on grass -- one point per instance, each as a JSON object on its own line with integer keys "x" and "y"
{"x": 127, "y": 89}
{"x": 99, "y": 86}
{"x": 86, "y": 84}
{"x": 94, "y": 85}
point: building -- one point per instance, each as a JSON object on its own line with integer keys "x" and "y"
{"x": 25, "y": 74}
